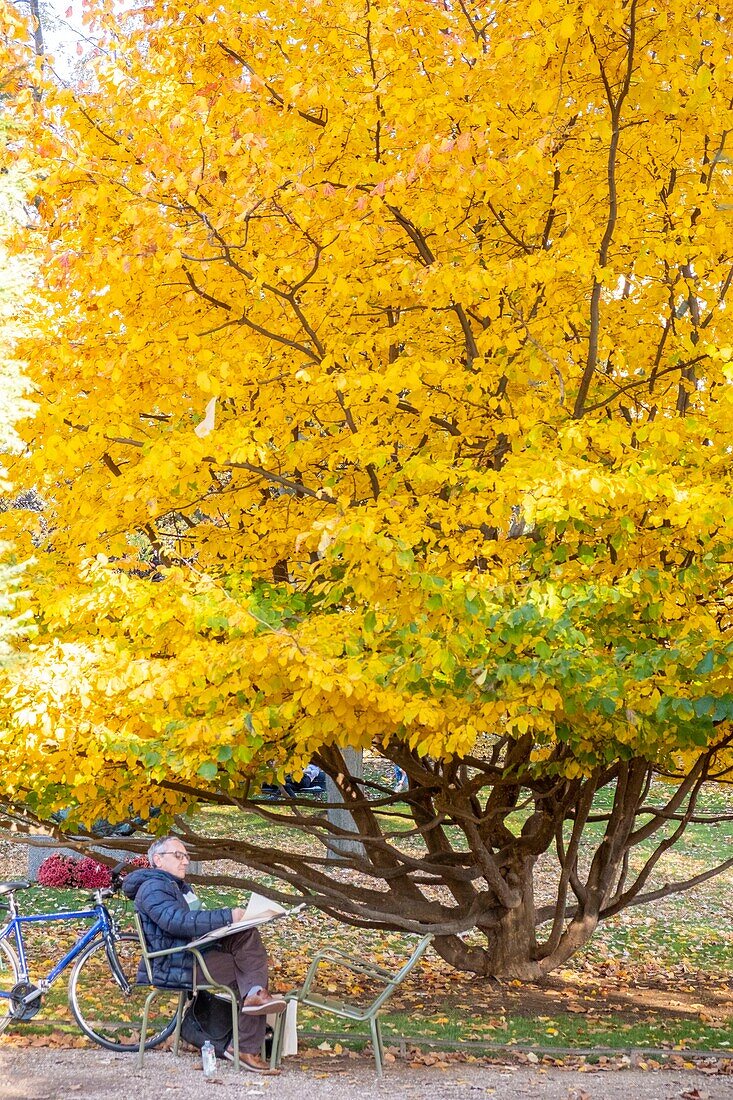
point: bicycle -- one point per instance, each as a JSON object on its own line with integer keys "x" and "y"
{"x": 104, "y": 996}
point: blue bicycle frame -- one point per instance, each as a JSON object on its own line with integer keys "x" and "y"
{"x": 103, "y": 964}
{"x": 103, "y": 926}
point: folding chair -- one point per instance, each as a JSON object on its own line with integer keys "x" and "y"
{"x": 360, "y": 1013}
{"x": 208, "y": 983}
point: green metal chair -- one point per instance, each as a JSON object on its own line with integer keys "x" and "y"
{"x": 389, "y": 981}
{"x": 183, "y": 994}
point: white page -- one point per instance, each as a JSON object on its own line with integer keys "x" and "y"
{"x": 258, "y": 906}
{"x": 272, "y": 912}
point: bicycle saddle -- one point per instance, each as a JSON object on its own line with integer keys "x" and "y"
{"x": 8, "y": 887}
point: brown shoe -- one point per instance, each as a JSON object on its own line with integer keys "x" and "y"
{"x": 262, "y": 1003}
{"x": 252, "y": 1063}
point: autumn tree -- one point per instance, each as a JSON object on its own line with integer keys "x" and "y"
{"x": 385, "y": 402}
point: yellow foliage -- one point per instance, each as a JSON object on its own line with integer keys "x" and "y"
{"x": 383, "y": 383}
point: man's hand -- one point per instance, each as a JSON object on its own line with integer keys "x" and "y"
{"x": 238, "y": 914}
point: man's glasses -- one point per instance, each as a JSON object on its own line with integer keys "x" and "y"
{"x": 177, "y": 855}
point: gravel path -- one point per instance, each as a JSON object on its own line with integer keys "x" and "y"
{"x": 41, "y": 1074}
{"x": 13, "y": 860}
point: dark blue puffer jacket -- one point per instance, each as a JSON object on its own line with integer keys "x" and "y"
{"x": 168, "y": 922}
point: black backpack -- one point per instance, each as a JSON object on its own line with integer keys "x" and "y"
{"x": 210, "y": 1017}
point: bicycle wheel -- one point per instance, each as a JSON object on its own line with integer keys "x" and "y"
{"x": 109, "y": 1008}
{"x": 9, "y": 976}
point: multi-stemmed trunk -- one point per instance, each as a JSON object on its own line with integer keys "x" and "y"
{"x": 466, "y": 869}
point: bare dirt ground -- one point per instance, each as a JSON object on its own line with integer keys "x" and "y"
{"x": 33, "y": 1074}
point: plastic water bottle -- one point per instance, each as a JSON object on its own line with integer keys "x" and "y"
{"x": 208, "y": 1059}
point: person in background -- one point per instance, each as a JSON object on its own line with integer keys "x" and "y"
{"x": 172, "y": 916}
{"x": 313, "y": 782}
{"x": 314, "y": 779}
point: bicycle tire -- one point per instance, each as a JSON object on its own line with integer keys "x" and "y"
{"x": 108, "y": 1013}
{"x": 9, "y": 977}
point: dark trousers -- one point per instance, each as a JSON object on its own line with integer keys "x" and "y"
{"x": 240, "y": 961}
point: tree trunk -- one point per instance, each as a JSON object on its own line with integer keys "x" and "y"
{"x": 511, "y": 943}
{"x": 463, "y": 956}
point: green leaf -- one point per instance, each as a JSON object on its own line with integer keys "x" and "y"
{"x": 684, "y": 709}
{"x": 723, "y": 709}
{"x": 208, "y": 770}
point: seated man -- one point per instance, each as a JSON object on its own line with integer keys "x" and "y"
{"x": 172, "y": 916}
{"x": 314, "y": 780}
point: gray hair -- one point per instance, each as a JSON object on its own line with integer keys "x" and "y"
{"x": 157, "y": 846}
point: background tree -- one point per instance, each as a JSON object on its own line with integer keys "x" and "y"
{"x": 385, "y": 402}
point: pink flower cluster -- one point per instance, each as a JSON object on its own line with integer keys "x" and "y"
{"x": 138, "y": 861}
{"x": 89, "y": 874}
{"x": 86, "y": 873}
{"x": 57, "y": 870}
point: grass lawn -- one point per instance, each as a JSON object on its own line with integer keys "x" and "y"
{"x": 655, "y": 976}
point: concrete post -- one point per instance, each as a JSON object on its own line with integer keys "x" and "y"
{"x": 338, "y": 847}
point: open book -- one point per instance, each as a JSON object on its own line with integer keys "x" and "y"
{"x": 259, "y": 911}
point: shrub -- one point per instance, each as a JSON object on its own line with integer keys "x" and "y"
{"x": 89, "y": 874}
{"x": 138, "y": 861}
{"x": 57, "y": 870}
